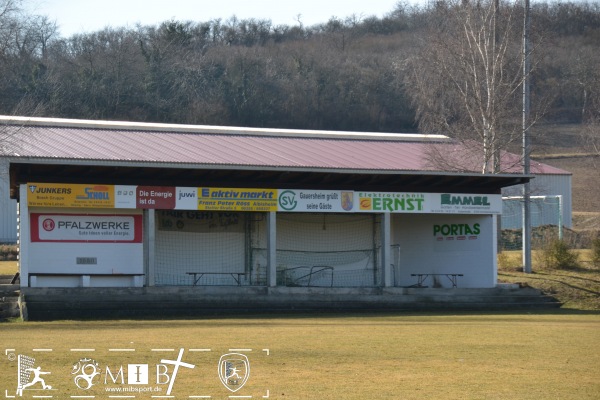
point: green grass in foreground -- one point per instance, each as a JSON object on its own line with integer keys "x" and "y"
{"x": 486, "y": 356}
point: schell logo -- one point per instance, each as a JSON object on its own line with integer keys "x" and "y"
{"x": 95, "y": 193}
{"x": 287, "y": 200}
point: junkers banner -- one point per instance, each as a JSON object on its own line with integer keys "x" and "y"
{"x": 86, "y": 228}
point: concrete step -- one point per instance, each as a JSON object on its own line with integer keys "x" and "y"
{"x": 57, "y": 303}
{"x": 9, "y": 297}
{"x": 10, "y": 290}
{"x": 9, "y": 279}
{"x": 9, "y": 307}
{"x": 9, "y": 303}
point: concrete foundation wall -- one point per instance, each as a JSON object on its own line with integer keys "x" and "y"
{"x": 82, "y": 303}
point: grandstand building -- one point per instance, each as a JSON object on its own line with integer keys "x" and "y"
{"x": 259, "y": 216}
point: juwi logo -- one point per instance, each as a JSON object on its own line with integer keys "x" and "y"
{"x": 287, "y": 200}
{"x": 450, "y": 200}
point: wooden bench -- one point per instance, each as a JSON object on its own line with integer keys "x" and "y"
{"x": 422, "y": 277}
{"x": 237, "y": 276}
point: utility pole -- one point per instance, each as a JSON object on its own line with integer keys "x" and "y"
{"x": 526, "y": 163}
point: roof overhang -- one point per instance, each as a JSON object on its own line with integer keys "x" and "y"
{"x": 23, "y": 170}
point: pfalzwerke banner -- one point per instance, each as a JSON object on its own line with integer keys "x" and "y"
{"x": 86, "y": 228}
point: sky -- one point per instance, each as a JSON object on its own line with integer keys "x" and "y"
{"x": 80, "y": 16}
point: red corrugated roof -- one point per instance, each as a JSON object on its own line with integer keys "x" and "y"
{"x": 230, "y": 149}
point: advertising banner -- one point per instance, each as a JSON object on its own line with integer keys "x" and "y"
{"x": 316, "y": 201}
{"x": 429, "y": 203}
{"x": 70, "y": 195}
{"x": 259, "y": 200}
{"x": 447, "y": 203}
{"x": 200, "y": 221}
{"x": 156, "y": 197}
{"x": 125, "y": 196}
{"x": 86, "y": 228}
{"x": 230, "y": 199}
{"x": 457, "y": 237}
{"x": 392, "y": 202}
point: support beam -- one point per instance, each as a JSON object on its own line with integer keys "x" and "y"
{"x": 150, "y": 253}
{"x": 386, "y": 260}
{"x": 272, "y": 249}
{"x": 24, "y": 235}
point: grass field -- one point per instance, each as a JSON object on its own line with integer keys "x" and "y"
{"x": 540, "y": 355}
{"x": 405, "y": 356}
{"x": 8, "y": 267}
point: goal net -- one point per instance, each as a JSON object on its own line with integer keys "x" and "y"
{"x": 24, "y": 364}
{"x": 210, "y": 248}
{"x": 546, "y": 219}
{"x": 328, "y": 250}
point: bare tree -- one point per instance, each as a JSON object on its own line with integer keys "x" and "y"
{"x": 465, "y": 80}
{"x": 9, "y": 10}
{"x": 587, "y": 76}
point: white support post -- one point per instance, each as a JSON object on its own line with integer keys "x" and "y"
{"x": 150, "y": 244}
{"x": 24, "y": 236}
{"x": 272, "y": 249}
{"x": 386, "y": 259}
{"x": 494, "y": 249}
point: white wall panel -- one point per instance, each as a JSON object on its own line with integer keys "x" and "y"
{"x": 8, "y": 208}
{"x": 441, "y": 244}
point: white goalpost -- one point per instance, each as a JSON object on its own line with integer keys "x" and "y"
{"x": 546, "y": 211}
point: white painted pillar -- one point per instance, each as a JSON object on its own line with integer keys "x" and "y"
{"x": 386, "y": 259}
{"x": 494, "y": 250}
{"x": 272, "y": 249}
{"x": 24, "y": 236}
{"x": 150, "y": 245}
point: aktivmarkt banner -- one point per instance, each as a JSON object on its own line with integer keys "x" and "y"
{"x": 259, "y": 200}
